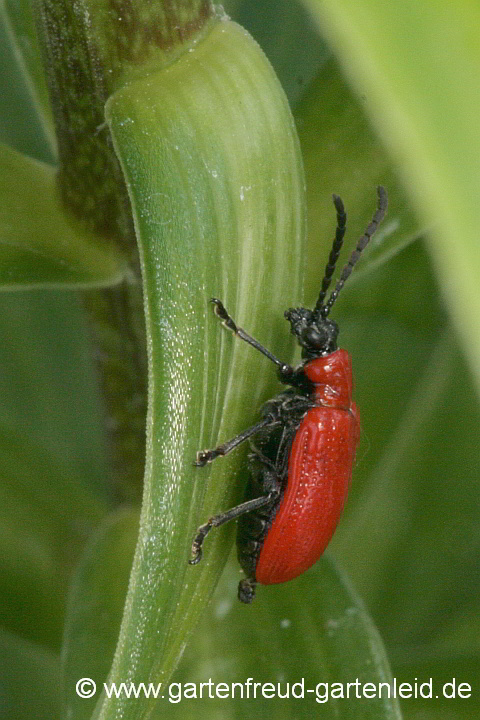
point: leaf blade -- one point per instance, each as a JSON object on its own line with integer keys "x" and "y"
{"x": 40, "y": 246}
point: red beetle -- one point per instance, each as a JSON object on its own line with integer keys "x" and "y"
{"x": 304, "y": 447}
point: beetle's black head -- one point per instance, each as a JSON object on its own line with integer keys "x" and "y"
{"x": 315, "y": 333}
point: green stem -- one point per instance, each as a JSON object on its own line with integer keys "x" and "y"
{"x": 90, "y": 48}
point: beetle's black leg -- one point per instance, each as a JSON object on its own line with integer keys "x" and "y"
{"x": 222, "y": 518}
{"x": 246, "y": 590}
{"x": 206, "y": 456}
{"x": 257, "y": 456}
{"x": 284, "y": 369}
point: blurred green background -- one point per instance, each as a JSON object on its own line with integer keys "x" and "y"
{"x": 409, "y": 541}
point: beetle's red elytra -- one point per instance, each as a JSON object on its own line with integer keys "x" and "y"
{"x": 303, "y": 448}
{"x": 319, "y": 469}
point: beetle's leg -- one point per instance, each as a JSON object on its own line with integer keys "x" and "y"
{"x": 285, "y": 370}
{"x": 206, "y": 456}
{"x": 246, "y": 590}
{"x": 222, "y": 518}
{"x": 271, "y": 483}
{"x": 257, "y": 456}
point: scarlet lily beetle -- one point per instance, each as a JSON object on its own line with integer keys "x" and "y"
{"x": 304, "y": 448}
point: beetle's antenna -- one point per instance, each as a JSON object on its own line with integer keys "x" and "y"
{"x": 334, "y": 252}
{"x": 361, "y": 245}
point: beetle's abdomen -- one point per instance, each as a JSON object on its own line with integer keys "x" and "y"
{"x": 319, "y": 471}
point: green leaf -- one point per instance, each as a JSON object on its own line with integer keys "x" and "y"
{"x": 39, "y": 244}
{"x": 212, "y": 165}
{"x": 313, "y": 631}
{"x": 286, "y": 34}
{"x": 19, "y": 24}
{"x": 95, "y": 608}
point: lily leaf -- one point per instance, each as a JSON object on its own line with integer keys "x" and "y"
{"x": 218, "y": 209}
{"x": 304, "y": 641}
{"x": 95, "y": 608}
{"x": 19, "y": 28}
{"x": 40, "y": 245}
